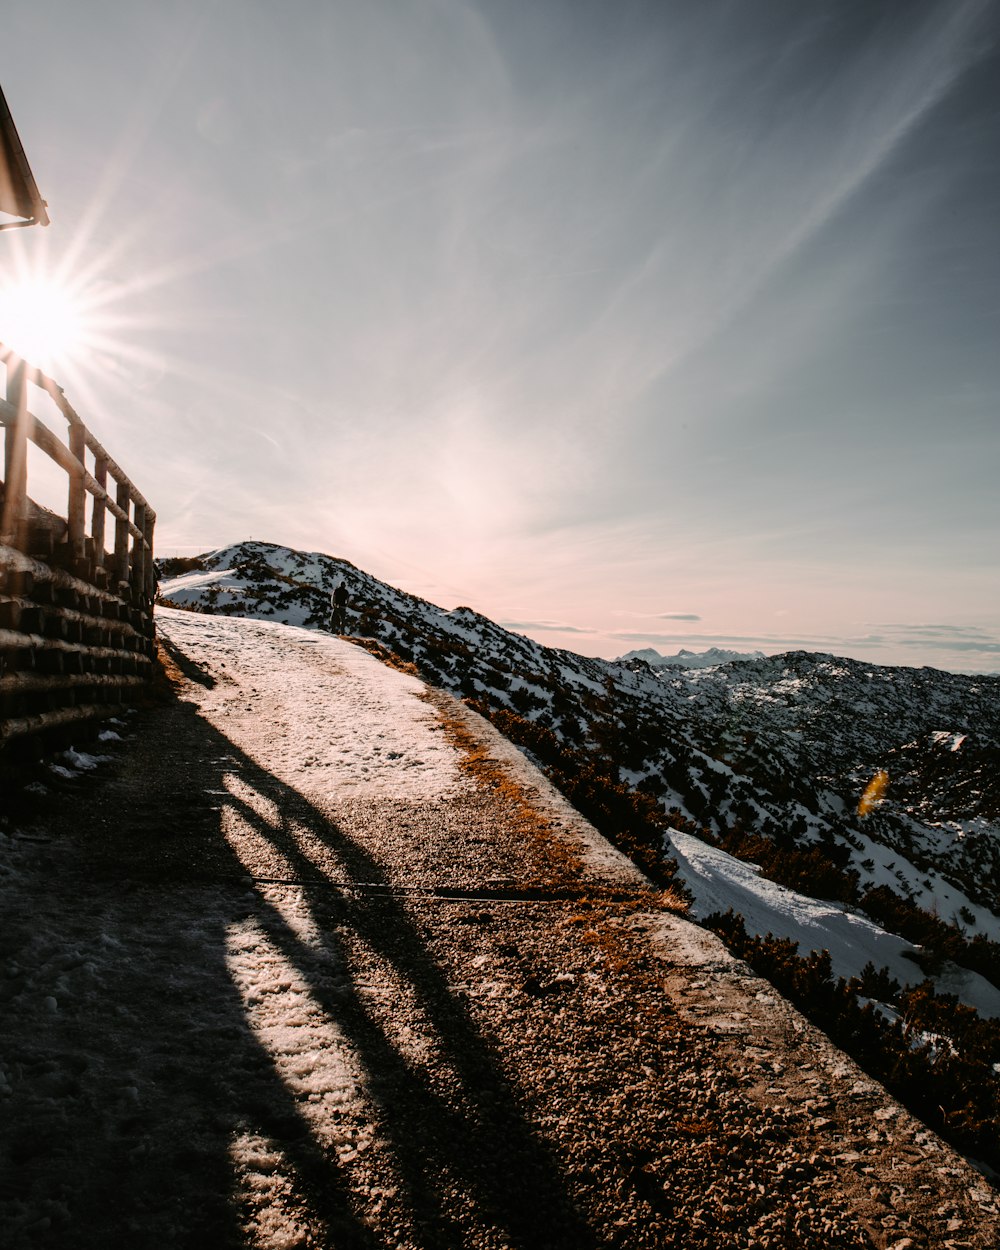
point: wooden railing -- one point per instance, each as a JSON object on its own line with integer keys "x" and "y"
{"x": 76, "y": 620}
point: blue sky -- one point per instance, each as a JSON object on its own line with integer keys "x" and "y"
{"x": 667, "y": 324}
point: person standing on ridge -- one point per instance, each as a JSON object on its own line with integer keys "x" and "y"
{"x": 338, "y": 609}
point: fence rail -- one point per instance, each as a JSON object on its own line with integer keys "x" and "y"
{"x": 76, "y": 620}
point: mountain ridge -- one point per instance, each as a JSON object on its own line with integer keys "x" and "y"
{"x": 689, "y": 659}
{"x": 796, "y": 735}
{"x": 792, "y": 699}
{"x": 761, "y": 761}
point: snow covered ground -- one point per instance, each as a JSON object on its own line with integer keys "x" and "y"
{"x": 719, "y": 881}
{"x": 383, "y": 737}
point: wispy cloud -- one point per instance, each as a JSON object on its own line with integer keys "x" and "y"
{"x": 771, "y": 642}
{"x": 677, "y": 616}
{"x": 545, "y": 627}
{"x": 959, "y": 639}
{"x": 694, "y": 278}
{"x": 976, "y": 648}
{"x": 944, "y": 631}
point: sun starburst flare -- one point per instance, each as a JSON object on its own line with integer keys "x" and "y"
{"x": 44, "y": 320}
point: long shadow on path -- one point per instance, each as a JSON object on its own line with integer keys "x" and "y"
{"x": 151, "y": 1108}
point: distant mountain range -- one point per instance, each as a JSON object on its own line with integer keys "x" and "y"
{"x": 689, "y": 659}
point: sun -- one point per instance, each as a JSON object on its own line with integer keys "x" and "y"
{"x": 44, "y": 321}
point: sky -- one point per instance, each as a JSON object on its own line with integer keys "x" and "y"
{"x": 668, "y": 324}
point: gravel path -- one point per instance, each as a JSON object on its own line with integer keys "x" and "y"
{"x": 317, "y": 959}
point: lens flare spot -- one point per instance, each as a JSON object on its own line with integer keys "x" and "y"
{"x": 874, "y": 793}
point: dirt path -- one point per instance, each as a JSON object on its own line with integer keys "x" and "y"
{"x": 317, "y": 959}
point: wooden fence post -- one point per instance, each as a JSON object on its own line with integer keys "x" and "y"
{"x": 99, "y": 514}
{"x": 77, "y": 505}
{"x": 150, "y": 581}
{"x": 138, "y": 568}
{"x": 124, "y": 500}
{"x": 15, "y": 455}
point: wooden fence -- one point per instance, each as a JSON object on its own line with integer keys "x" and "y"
{"x": 76, "y": 620}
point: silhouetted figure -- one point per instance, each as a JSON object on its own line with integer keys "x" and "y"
{"x": 338, "y": 609}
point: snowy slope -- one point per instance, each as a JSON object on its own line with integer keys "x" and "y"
{"x": 379, "y": 745}
{"x": 719, "y": 882}
{"x": 778, "y": 748}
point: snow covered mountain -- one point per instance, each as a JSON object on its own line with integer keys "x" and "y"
{"x": 829, "y": 818}
{"x": 689, "y": 659}
{"x": 778, "y": 748}
{"x": 801, "y": 799}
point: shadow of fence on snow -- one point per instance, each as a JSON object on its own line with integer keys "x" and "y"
{"x": 179, "y": 1099}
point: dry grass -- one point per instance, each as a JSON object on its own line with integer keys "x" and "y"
{"x": 671, "y": 899}
{"x": 167, "y": 677}
{"x": 554, "y": 857}
{"x": 382, "y": 652}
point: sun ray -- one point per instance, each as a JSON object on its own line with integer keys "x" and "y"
{"x": 42, "y": 320}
